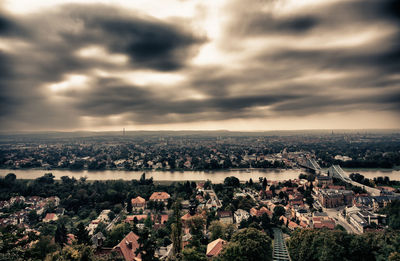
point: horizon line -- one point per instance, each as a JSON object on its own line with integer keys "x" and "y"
{"x": 193, "y": 130}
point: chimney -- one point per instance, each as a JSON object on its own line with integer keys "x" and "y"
{"x": 129, "y": 243}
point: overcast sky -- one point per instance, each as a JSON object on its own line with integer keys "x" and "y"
{"x": 201, "y": 64}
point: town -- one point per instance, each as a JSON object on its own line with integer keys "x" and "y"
{"x": 199, "y": 151}
{"x": 141, "y": 220}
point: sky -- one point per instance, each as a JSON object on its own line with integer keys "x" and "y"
{"x": 199, "y": 65}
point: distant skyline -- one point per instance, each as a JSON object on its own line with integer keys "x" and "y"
{"x": 199, "y": 65}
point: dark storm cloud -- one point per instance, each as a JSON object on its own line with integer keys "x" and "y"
{"x": 49, "y": 42}
{"x": 5, "y": 25}
{"x": 150, "y": 43}
{"x": 258, "y": 18}
{"x": 112, "y": 97}
{"x": 269, "y": 80}
{"x": 264, "y": 24}
{"x": 385, "y": 60}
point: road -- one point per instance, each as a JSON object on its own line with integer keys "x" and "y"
{"x": 334, "y": 213}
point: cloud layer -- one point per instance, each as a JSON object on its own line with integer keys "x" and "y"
{"x": 95, "y": 66}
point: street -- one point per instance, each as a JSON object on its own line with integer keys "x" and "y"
{"x": 334, "y": 213}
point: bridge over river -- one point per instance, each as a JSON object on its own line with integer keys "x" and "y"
{"x": 336, "y": 171}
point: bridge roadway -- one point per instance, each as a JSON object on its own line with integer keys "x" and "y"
{"x": 337, "y": 172}
{"x": 280, "y": 252}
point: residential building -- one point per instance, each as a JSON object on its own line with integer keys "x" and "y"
{"x": 225, "y": 217}
{"x": 128, "y": 246}
{"x": 332, "y": 198}
{"x": 138, "y": 203}
{"x": 50, "y": 217}
{"x": 215, "y": 247}
{"x": 160, "y": 197}
{"x": 260, "y": 212}
{"x": 241, "y": 215}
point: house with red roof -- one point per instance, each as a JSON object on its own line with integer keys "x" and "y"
{"x": 138, "y": 203}
{"x": 128, "y": 246}
{"x": 260, "y": 212}
{"x": 130, "y": 218}
{"x": 50, "y": 217}
{"x": 292, "y": 225}
{"x": 160, "y": 197}
{"x": 321, "y": 222}
{"x": 215, "y": 247}
{"x": 225, "y": 217}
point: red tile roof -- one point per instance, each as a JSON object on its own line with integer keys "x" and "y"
{"x": 159, "y": 196}
{"x": 303, "y": 225}
{"x": 215, "y": 247}
{"x": 50, "y": 216}
{"x": 164, "y": 219}
{"x": 187, "y": 216}
{"x": 292, "y": 225}
{"x": 130, "y": 218}
{"x": 284, "y": 219}
{"x": 224, "y": 214}
{"x": 138, "y": 200}
{"x": 127, "y": 247}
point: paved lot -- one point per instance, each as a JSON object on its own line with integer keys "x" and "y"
{"x": 334, "y": 213}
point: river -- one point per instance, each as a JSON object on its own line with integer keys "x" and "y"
{"x": 214, "y": 176}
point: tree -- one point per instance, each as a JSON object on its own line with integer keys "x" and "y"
{"x": 82, "y": 234}
{"x": 232, "y": 182}
{"x": 176, "y": 234}
{"x": 207, "y": 184}
{"x": 191, "y": 254}
{"x": 42, "y": 248}
{"x": 117, "y": 234}
{"x": 129, "y": 205}
{"x": 264, "y": 183}
{"x": 279, "y": 211}
{"x": 73, "y": 253}
{"x": 395, "y": 256}
{"x": 393, "y": 211}
{"x": 10, "y": 178}
{"x": 251, "y": 183}
{"x": 265, "y": 221}
{"x": 33, "y": 217}
{"x": 217, "y": 230}
{"x": 147, "y": 245}
{"x": 60, "y": 236}
{"x": 248, "y": 244}
{"x": 196, "y": 225}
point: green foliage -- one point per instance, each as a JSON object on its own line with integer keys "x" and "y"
{"x": 10, "y": 178}
{"x": 220, "y": 230}
{"x": 191, "y": 254}
{"x": 279, "y": 211}
{"x": 393, "y": 211}
{"x": 60, "y": 236}
{"x": 232, "y": 182}
{"x": 176, "y": 230}
{"x": 43, "y": 247}
{"x": 248, "y": 245}
{"x": 82, "y": 234}
{"x": 324, "y": 245}
{"x": 117, "y": 234}
{"x": 245, "y": 203}
{"x": 147, "y": 245}
{"x": 72, "y": 253}
{"x": 10, "y": 247}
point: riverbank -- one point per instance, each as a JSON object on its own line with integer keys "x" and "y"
{"x": 217, "y": 176}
